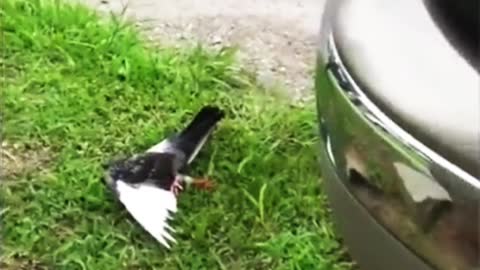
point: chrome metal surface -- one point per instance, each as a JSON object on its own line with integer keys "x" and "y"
{"x": 426, "y": 202}
{"x": 408, "y": 68}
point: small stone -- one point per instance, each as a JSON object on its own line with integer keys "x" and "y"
{"x": 180, "y": 36}
{"x": 267, "y": 79}
{"x": 216, "y": 40}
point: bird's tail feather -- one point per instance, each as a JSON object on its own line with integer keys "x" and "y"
{"x": 193, "y": 137}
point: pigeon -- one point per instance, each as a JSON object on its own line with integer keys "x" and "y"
{"x": 148, "y": 184}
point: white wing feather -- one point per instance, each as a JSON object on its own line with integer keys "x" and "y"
{"x": 160, "y": 147}
{"x": 166, "y": 146}
{"x": 151, "y": 207}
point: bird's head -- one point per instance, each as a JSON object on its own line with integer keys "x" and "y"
{"x": 112, "y": 172}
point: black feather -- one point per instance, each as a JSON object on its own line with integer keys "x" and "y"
{"x": 157, "y": 168}
{"x": 190, "y": 138}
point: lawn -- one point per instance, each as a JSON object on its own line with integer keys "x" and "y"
{"x": 79, "y": 90}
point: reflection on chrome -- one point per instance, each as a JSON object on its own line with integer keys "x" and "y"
{"x": 421, "y": 187}
{"x": 428, "y": 203}
{"x": 370, "y": 110}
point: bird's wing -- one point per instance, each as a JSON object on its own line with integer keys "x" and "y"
{"x": 167, "y": 146}
{"x": 161, "y": 147}
{"x": 151, "y": 207}
{"x": 187, "y": 143}
{"x": 193, "y": 137}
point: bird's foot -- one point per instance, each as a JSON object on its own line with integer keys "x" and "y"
{"x": 176, "y": 186}
{"x": 203, "y": 183}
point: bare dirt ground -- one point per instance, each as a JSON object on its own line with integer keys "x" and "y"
{"x": 276, "y": 38}
{"x": 15, "y": 161}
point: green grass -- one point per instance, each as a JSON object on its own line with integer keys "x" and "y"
{"x": 88, "y": 90}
